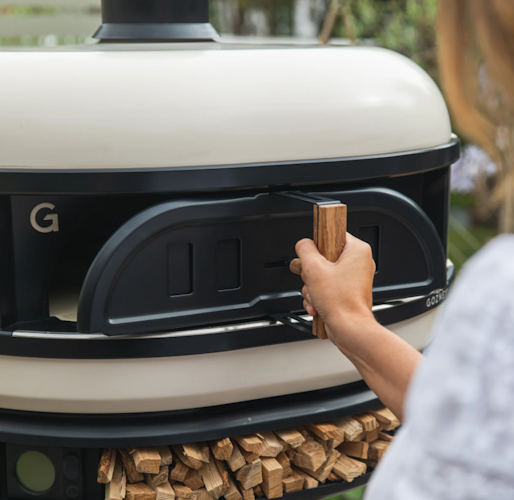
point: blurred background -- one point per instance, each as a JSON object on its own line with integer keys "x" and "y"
{"x": 406, "y": 26}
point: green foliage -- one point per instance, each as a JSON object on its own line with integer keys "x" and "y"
{"x": 357, "y": 494}
{"x": 465, "y": 200}
{"x": 405, "y": 26}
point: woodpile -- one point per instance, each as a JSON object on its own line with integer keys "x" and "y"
{"x": 267, "y": 464}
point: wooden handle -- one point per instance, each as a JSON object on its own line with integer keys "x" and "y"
{"x": 330, "y": 238}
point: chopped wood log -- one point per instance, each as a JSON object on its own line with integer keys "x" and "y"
{"x": 250, "y": 475}
{"x": 291, "y": 436}
{"x": 236, "y": 460}
{"x": 387, "y": 418}
{"x": 326, "y": 431}
{"x": 322, "y": 472}
{"x": 372, "y": 464}
{"x": 201, "y": 494}
{"x": 232, "y": 492}
{"x": 371, "y": 436}
{"x": 140, "y": 491}
{"x": 385, "y": 437}
{"x": 164, "y": 491}
{"x": 179, "y": 472}
{"x": 193, "y": 480}
{"x": 293, "y": 483}
{"x": 349, "y": 427}
{"x": 305, "y": 433}
{"x": 310, "y": 482}
{"x": 223, "y": 471}
{"x": 191, "y": 463}
{"x": 284, "y": 461}
{"x": 166, "y": 455}
{"x": 248, "y": 494}
{"x": 368, "y": 422}
{"x": 377, "y": 449}
{"x": 194, "y": 455}
{"x": 197, "y": 451}
{"x": 348, "y": 468}
{"x": 272, "y": 476}
{"x": 327, "y": 444}
{"x": 258, "y": 491}
{"x": 249, "y": 456}
{"x": 182, "y": 491}
{"x": 355, "y": 449}
{"x": 362, "y": 436}
{"x": 310, "y": 455}
{"x": 117, "y": 488}
{"x": 212, "y": 479}
{"x": 333, "y": 478}
{"x": 147, "y": 460}
{"x": 271, "y": 445}
{"x": 285, "y": 446}
{"x": 251, "y": 443}
{"x": 222, "y": 448}
{"x": 160, "y": 478}
{"x": 133, "y": 475}
{"x": 106, "y": 466}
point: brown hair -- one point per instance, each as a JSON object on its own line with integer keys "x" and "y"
{"x": 476, "y": 57}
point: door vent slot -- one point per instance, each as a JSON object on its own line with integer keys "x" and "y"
{"x": 228, "y": 264}
{"x": 275, "y": 265}
{"x": 180, "y": 269}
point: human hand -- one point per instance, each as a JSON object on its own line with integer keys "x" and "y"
{"x": 340, "y": 292}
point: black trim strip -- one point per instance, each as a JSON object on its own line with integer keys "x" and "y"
{"x": 127, "y": 348}
{"x": 201, "y": 424}
{"x": 277, "y": 175}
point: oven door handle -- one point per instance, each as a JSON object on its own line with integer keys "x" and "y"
{"x": 387, "y": 313}
{"x": 329, "y": 231}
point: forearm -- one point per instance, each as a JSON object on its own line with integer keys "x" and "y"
{"x": 385, "y": 361}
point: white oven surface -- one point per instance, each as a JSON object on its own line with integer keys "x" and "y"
{"x": 175, "y": 383}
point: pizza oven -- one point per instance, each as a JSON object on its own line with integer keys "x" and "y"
{"x": 152, "y": 189}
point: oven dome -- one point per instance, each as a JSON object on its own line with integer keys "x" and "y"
{"x": 197, "y": 104}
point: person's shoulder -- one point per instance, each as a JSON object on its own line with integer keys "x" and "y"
{"x": 495, "y": 259}
{"x": 497, "y": 246}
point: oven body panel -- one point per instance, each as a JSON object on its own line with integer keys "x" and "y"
{"x": 153, "y": 384}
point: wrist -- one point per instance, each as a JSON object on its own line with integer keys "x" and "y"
{"x": 349, "y": 328}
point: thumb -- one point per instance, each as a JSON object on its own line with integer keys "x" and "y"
{"x": 309, "y": 256}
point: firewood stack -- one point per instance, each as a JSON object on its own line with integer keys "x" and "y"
{"x": 266, "y": 464}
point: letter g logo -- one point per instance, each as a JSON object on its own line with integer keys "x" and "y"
{"x": 53, "y": 227}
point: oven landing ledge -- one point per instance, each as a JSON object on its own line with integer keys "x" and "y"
{"x": 204, "y": 424}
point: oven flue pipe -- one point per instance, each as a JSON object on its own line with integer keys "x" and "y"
{"x": 155, "y": 20}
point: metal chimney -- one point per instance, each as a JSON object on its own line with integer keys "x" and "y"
{"x": 155, "y": 20}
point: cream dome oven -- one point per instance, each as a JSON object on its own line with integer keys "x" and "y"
{"x": 146, "y": 225}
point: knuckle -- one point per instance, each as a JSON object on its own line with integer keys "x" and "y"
{"x": 366, "y": 249}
